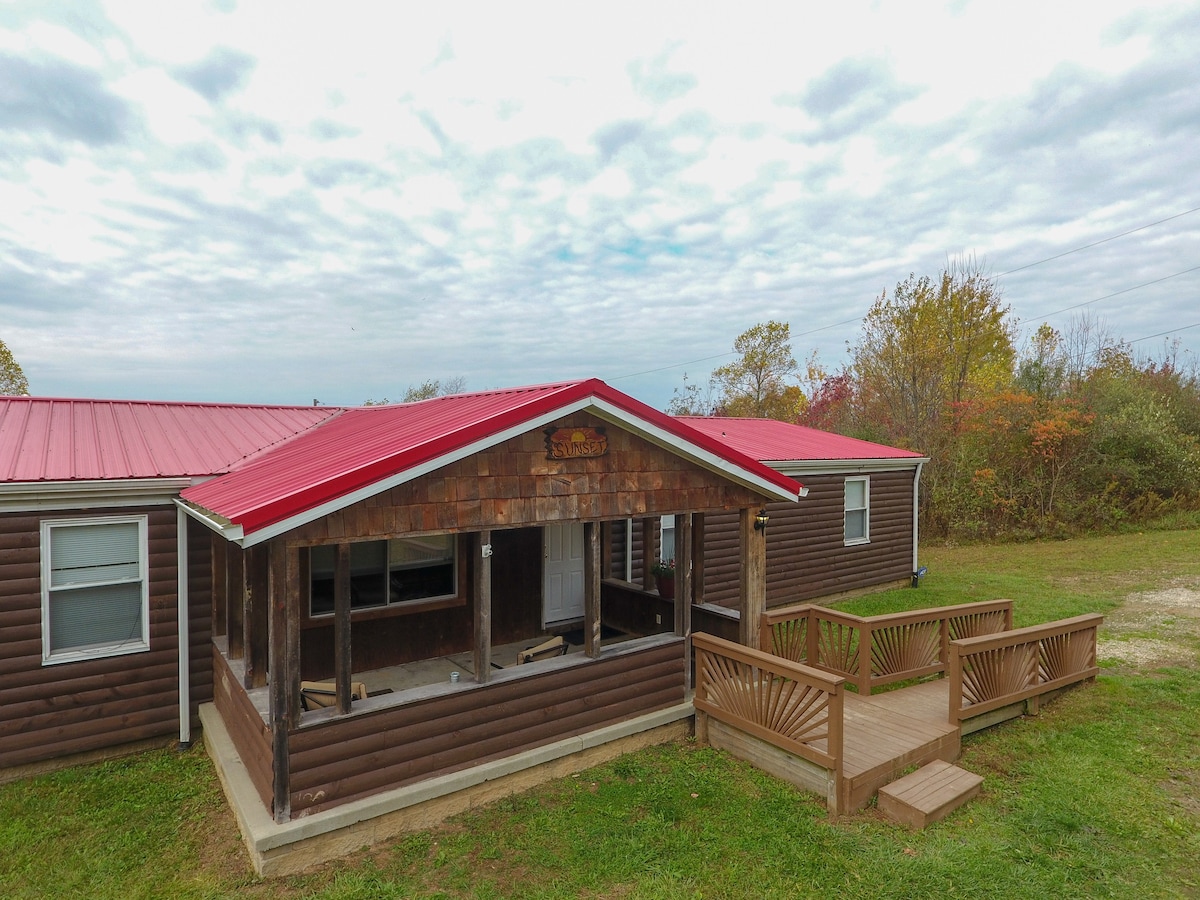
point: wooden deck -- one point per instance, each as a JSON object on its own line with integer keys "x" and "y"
{"x": 801, "y": 724}
{"x": 884, "y": 734}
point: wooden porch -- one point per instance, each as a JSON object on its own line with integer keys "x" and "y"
{"x": 798, "y": 721}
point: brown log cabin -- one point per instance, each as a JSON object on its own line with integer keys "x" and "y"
{"x": 471, "y": 564}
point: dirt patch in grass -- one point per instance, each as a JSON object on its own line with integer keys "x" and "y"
{"x": 1153, "y": 629}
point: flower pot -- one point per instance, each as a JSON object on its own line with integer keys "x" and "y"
{"x": 666, "y": 586}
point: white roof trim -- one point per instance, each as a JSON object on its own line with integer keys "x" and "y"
{"x": 605, "y": 410}
{"x": 31, "y": 496}
{"x": 801, "y": 467}
{"x": 220, "y": 525}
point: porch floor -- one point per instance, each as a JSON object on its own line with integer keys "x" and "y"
{"x": 885, "y": 734}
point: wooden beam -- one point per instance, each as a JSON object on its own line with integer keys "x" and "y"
{"x": 697, "y": 557}
{"x": 752, "y": 583}
{"x": 684, "y": 585}
{"x": 483, "y": 606}
{"x": 591, "y": 589}
{"x": 254, "y": 580}
{"x": 683, "y": 573}
{"x": 280, "y": 695}
{"x": 239, "y": 599}
{"x": 649, "y": 551}
{"x": 341, "y": 627}
{"x": 220, "y": 593}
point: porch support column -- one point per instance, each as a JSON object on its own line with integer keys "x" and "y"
{"x": 697, "y": 557}
{"x": 591, "y": 589}
{"x": 252, "y": 581}
{"x": 342, "y": 662}
{"x": 483, "y": 606}
{"x": 283, "y": 584}
{"x": 752, "y": 587}
{"x": 684, "y": 583}
{"x": 238, "y": 600}
{"x": 220, "y": 593}
{"x": 649, "y": 551}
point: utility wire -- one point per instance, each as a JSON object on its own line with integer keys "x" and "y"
{"x": 1118, "y": 293}
{"x": 1165, "y": 333}
{"x": 1099, "y": 242}
{"x": 1186, "y": 212}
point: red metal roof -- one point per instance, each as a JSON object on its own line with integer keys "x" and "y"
{"x": 362, "y": 447}
{"x": 51, "y": 439}
{"x": 770, "y": 441}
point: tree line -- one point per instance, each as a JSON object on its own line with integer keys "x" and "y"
{"x": 1066, "y": 433}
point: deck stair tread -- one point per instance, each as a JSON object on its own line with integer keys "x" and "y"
{"x": 929, "y": 794}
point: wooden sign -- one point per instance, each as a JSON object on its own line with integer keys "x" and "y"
{"x": 575, "y": 443}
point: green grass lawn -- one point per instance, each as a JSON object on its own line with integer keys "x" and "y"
{"x": 1099, "y": 796}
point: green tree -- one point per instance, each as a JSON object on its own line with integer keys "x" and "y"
{"x": 12, "y": 379}
{"x": 763, "y": 382}
{"x": 931, "y": 345}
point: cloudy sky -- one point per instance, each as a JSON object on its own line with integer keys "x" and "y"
{"x": 277, "y": 202}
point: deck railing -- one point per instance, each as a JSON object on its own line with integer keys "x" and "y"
{"x": 898, "y": 646}
{"x": 790, "y": 706}
{"x": 991, "y": 672}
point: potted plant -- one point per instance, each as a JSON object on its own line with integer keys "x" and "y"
{"x": 664, "y": 577}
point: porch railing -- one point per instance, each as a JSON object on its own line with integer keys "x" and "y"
{"x": 871, "y": 651}
{"x": 790, "y": 706}
{"x": 990, "y": 672}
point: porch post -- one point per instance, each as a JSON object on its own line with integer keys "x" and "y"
{"x": 341, "y": 628}
{"x": 220, "y": 594}
{"x": 285, "y": 671}
{"x": 697, "y": 557}
{"x": 649, "y": 552}
{"x": 252, "y": 581}
{"x": 683, "y": 574}
{"x": 483, "y": 606}
{"x": 591, "y": 589}
{"x": 684, "y": 584}
{"x": 752, "y": 586}
{"x": 238, "y": 600}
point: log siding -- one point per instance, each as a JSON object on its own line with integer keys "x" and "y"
{"x": 806, "y": 553}
{"x": 95, "y": 704}
{"x": 338, "y": 761}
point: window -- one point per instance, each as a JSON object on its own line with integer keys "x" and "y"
{"x": 384, "y": 573}
{"x": 95, "y": 595}
{"x": 666, "y": 534}
{"x": 858, "y": 510}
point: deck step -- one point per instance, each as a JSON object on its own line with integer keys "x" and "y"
{"x": 929, "y": 794}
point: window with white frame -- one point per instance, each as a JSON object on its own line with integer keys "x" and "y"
{"x": 386, "y": 573}
{"x": 666, "y": 538}
{"x": 858, "y": 510}
{"x": 95, "y": 589}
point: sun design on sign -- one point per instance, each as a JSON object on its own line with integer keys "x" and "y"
{"x": 575, "y": 443}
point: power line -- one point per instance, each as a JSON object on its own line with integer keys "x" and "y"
{"x": 1099, "y": 242}
{"x": 1118, "y": 293}
{"x": 1165, "y": 333}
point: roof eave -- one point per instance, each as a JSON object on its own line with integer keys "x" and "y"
{"x": 28, "y": 496}
{"x": 264, "y": 523}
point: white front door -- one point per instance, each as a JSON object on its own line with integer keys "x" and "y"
{"x": 563, "y": 589}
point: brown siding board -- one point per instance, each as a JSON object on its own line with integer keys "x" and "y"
{"x": 806, "y": 554}
{"x": 88, "y": 704}
{"x": 499, "y": 715}
{"x": 492, "y": 734}
{"x": 246, "y": 728}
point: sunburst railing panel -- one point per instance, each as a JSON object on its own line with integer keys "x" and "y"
{"x": 793, "y": 706}
{"x": 991, "y": 671}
